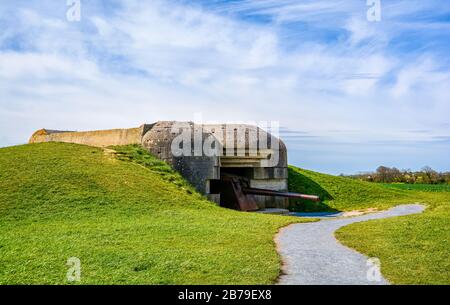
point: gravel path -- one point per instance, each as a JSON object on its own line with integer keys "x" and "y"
{"x": 311, "y": 254}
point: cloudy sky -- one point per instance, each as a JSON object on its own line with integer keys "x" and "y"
{"x": 350, "y": 94}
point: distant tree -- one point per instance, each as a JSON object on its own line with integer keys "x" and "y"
{"x": 382, "y": 174}
{"x": 431, "y": 174}
{"x": 386, "y": 174}
{"x": 419, "y": 180}
{"x": 395, "y": 175}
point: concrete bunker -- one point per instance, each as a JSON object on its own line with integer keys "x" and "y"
{"x": 237, "y": 166}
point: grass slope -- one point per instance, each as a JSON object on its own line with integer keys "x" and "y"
{"x": 420, "y": 187}
{"x": 129, "y": 219}
{"x": 413, "y": 249}
{"x": 341, "y": 193}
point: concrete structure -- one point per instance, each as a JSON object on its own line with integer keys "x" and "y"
{"x": 209, "y": 152}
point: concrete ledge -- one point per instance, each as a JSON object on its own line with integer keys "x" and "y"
{"x": 99, "y": 138}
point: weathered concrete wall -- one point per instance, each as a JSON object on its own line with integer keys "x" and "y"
{"x": 198, "y": 170}
{"x": 271, "y": 184}
{"x": 99, "y": 138}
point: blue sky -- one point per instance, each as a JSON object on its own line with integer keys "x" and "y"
{"x": 350, "y": 94}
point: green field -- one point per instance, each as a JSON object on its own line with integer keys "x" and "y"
{"x": 341, "y": 193}
{"x": 420, "y": 187}
{"x": 129, "y": 219}
{"x": 413, "y": 249}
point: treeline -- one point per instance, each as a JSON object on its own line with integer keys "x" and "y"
{"x": 385, "y": 174}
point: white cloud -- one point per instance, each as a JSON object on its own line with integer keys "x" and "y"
{"x": 158, "y": 60}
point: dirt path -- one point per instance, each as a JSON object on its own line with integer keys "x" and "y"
{"x": 312, "y": 255}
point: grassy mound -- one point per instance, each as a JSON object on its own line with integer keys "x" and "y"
{"x": 130, "y": 219}
{"x": 127, "y": 216}
{"x": 413, "y": 249}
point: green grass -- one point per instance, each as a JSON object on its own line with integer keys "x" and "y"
{"x": 341, "y": 193}
{"x": 132, "y": 220}
{"x": 127, "y": 216}
{"x": 420, "y": 187}
{"x": 413, "y": 249}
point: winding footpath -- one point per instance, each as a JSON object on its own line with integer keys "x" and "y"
{"x": 312, "y": 255}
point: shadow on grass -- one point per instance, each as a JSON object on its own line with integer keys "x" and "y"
{"x": 299, "y": 183}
